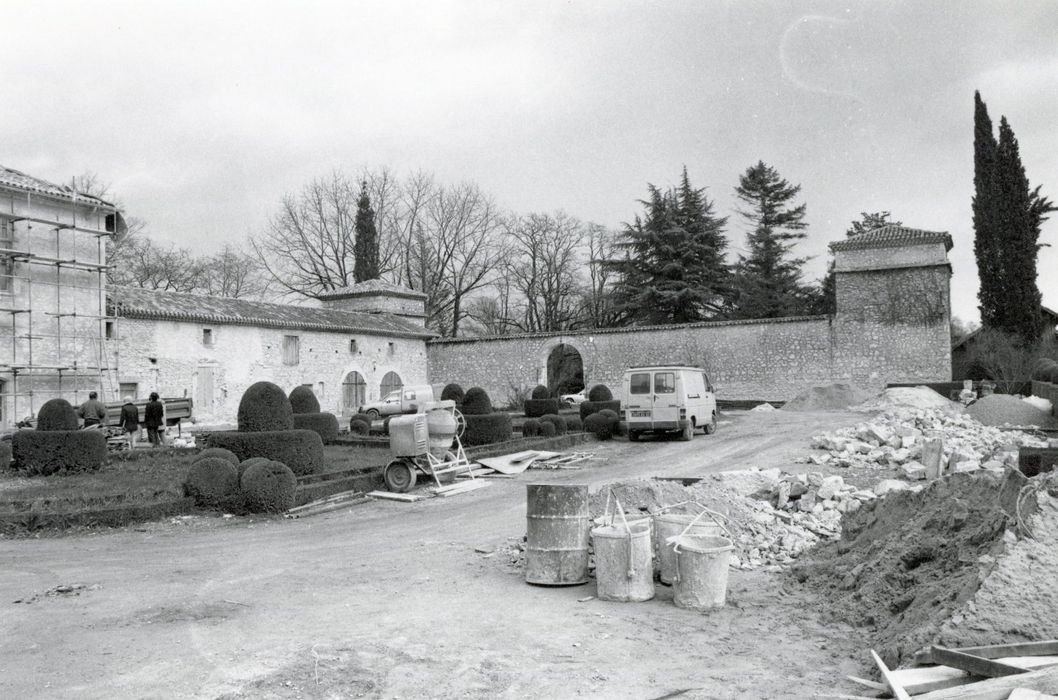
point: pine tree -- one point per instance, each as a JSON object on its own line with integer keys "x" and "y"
{"x": 673, "y": 270}
{"x": 365, "y": 247}
{"x": 768, "y": 279}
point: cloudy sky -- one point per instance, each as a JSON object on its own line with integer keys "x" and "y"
{"x": 203, "y": 114}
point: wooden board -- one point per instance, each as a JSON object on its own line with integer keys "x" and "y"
{"x": 996, "y": 651}
{"x": 977, "y": 665}
{"x": 405, "y": 497}
{"x": 894, "y": 686}
{"x": 467, "y": 486}
{"x": 1045, "y": 680}
{"x": 475, "y": 473}
{"x": 929, "y": 678}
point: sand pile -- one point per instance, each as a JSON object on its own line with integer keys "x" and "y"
{"x": 921, "y": 397}
{"x": 829, "y": 397}
{"x": 1004, "y": 409}
{"x": 916, "y": 567}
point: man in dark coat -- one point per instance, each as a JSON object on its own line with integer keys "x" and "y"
{"x": 92, "y": 411}
{"x": 130, "y": 421}
{"x": 153, "y": 416}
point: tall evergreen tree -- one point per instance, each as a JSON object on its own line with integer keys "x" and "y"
{"x": 673, "y": 270}
{"x": 986, "y": 199}
{"x": 365, "y": 247}
{"x": 768, "y": 278}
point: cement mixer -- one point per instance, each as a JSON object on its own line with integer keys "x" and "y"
{"x": 426, "y": 442}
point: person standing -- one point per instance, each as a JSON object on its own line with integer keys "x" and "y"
{"x": 130, "y": 421}
{"x": 153, "y": 415}
{"x": 92, "y": 411}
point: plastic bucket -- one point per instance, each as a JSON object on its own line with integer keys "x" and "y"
{"x": 668, "y": 525}
{"x": 557, "y": 526}
{"x": 624, "y": 561}
{"x": 701, "y": 571}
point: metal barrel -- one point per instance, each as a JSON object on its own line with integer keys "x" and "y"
{"x": 557, "y": 530}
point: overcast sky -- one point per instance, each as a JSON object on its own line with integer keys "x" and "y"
{"x": 202, "y": 115}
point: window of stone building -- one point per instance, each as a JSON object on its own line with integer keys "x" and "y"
{"x": 207, "y": 337}
{"x": 291, "y": 349}
{"x": 392, "y": 349}
{"x": 130, "y": 389}
{"x": 108, "y": 329}
{"x": 352, "y": 346}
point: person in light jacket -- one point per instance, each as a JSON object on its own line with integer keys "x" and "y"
{"x": 153, "y": 418}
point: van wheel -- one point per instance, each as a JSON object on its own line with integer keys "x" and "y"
{"x": 688, "y": 432}
{"x": 710, "y": 427}
{"x": 633, "y": 435}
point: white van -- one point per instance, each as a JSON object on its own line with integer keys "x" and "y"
{"x": 668, "y": 398}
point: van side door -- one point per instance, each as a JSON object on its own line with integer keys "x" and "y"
{"x": 639, "y": 400}
{"x": 666, "y": 401}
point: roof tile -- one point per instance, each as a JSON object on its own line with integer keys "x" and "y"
{"x": 891, "y": 235}
{"x": 19, "y": 180}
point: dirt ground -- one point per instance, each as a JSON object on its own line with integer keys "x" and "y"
{"x": 393, "y": 600}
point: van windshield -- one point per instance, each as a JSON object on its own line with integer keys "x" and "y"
{"x": 665, "y": 383}
{"x": 639, "y": 383}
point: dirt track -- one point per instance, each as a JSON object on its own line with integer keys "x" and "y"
{"x": 391, "y": 600}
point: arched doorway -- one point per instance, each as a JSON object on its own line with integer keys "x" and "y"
{"x": 390, "y": 382}
{"x": 354, "y": 392}
{"x": 565, "y": 370}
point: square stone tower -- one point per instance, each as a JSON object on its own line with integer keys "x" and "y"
{"x": 376, "y": 296}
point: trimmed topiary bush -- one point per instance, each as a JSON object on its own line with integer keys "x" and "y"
{"x": 609, "y": 413}
{"x": 556, "y": 420}
{"x": 265, "y": 407}
{"x": 5, "y": 454}
{"x": 540, "y": 392}
{"x": 325, "y": 424}
{"x": 212, "y": 482}
{"x": 601, "y": 425}
{"x": 453, "y": 392}
{"x": 301, "y": 450}
{"x": 217, "y": 452}
{"x": 589, "y": 407}
{"x": 487, "y": 429}
{"x": 247, "y": 463}
{"x": 600, "y": 392}
{"x": 57, "y": 414}
{"x": 303, "y": 400}
{"x": 359, "y": 425}
{"x": 534, "y": 408}
{"x": 574, "y": 424}
{"x": 47, "y": 452}
{"x": 268, "y": 487}
{"x": 476, "y": 402}
{"x": 547, "y": 430}
{"x": 531, "y": 428}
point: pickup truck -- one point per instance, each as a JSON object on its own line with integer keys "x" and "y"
{"x": 404, "y": 400}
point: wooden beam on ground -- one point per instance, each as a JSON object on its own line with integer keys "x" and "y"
{"x": 998, "y": 651}
{"x": 405, "y": 497}
{"x": 894, "y": 685}
{"x": 327, "y": 507}
{"x": 467, "y": 486}
{"x": 926, "y": 679}
{"x": 873, "y": 685}
{"x": 1045, "y": 680}
{"x": 977, "y": 665}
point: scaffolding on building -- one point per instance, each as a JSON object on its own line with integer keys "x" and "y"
{"x": 72, "y": 354}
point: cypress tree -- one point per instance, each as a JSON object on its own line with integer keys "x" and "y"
{"x": 986, "y": 201}
{"x": 365, "y": 247}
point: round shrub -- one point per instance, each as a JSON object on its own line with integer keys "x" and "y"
{"x": 5, "y": 454}
{"x": 325, "y": 424}
{"x": 303, "y": 400}
{"x": 589, "y": 407}
{"x": 540, "y": 392}
{"x": 359, "y": 425}
{"x": 57, "y": 414}
{"x": 556, "y": 420}
{"x": 531, "y": 428}
{"x": 609, "y": 413}
{"x": 1041, "y": 368}
{"x": 212, "y": 482}
{"x": 600, "y": 425}
{"x": 268, "y": 487}
{"x": 476, "y": 402}
{"x": 453, "y": 392}
{"x": 264, "y": 407}
{"x": 547, "y": 430}
{"x": 247, "y": 463}
{"x": 301, "y": 450}
{"x": 600, "y": 392}
{"x": 574, "y": 424}
{"x": 535, "y": 408}
{"x": 217, "y": 452}
{"x": 487, "y": 429}
{"x": 36, "y": 452}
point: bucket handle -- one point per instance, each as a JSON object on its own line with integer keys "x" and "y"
{"x": 617, "y": 501}
{"x": 676, "y": 543}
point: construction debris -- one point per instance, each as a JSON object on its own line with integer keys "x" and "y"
{"x": 1007, "y": 410}
{"x": 829, "y": 397}
{"x": 919, "y": 397}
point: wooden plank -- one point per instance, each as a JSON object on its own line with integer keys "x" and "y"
{"x": 474, "y": 473}
{"x": 894, "y": 686}
{"x": 405, "y": 497}
{"x": 977, "y": 665}
{"x": 873, "y": 685}
{"x": 342, "y": 496}
{"x": 1029, "y": 663}
{"x": 1026, "y": 694}
{"x": 1045, "y": 680}
{"x": 469, "y": 486}
{"x": 327, "y": 507}
{"x": 929, "y": 678}
{"x": 996, "y": 651}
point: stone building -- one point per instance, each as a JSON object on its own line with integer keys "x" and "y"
{"x": 52, "y": 301}
{"x": 963, "y": 363}
{"x": 891, "y": 325}
{"x": 363, "y": 342}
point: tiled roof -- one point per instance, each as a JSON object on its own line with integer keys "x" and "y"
{"x": 19, "y": 180}
{"x": 888, "y": 236}
{"x": 133, "y": 302}
{"x": 977, "y": 331}
{"x": 371, "y": 287}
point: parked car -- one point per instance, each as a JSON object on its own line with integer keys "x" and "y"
{"x": 404, "y": 400}
{"x": 668, "y": 398}
{"x": 574, "y": 399}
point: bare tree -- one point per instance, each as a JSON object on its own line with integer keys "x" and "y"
{"x": 543, "y": 261}
{"x": 234, "y": 274}
{"x": 598, "y": 309}
{"x": 137, "y": 261}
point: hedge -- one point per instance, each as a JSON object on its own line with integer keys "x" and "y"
{"x": 453, "y": 392}
{"x": 359, "y": 425}
{"x": 600, "y": 392}
{"x": 37, "y": 452}
{"x": 574, "y": 424}
{"x": 217, "y": 452}
{"x": 610, "y": 413}
{"x": 265, "y": 407}
{"x": 589, "y": 407}
{"x": 301, "y": 450}
{"x": 601, "y": 425}
{"x": 268, "y": 487}
{"x": 5, "y": 454}
{"x": 540, "y": 392}
{"x": 548, "y": 430}
{"x": 212, "y": 482}
{"x": 57, "y": 414}
{"x": 487, "y": 429}
{"x": 303, "y": 400}
{"x": 531, "y": 428}
{"x": 247, "y": 463}
{"x": 556, "y": 420}
{"x": 534, "y": 408}
{"x": 325, "y": 424}
{"x": 476, "y": 402}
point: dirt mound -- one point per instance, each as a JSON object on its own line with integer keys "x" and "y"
{"x": 1004, "y": 409}
{"x": 829, "y": 397}
{"x": 917, "y": 397}
{"x": 910, "y": 566}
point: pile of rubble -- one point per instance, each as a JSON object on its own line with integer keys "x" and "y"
{"x": 895, "y": 439}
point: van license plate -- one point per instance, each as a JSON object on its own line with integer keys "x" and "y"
{"x": 641, "y": 414}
